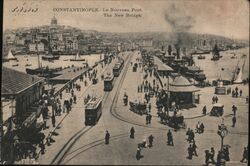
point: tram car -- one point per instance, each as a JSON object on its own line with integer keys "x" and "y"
{"x": 118, "y": 68}
{"x": 108, "y": 82}
{"x": 93, "y": 111}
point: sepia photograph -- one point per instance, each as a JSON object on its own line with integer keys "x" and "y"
{"x": 116, "y": 82}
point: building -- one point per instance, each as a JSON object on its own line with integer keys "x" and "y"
{"x": 19, "y": 93}
{"x": 182, "y": 92}
{"x": 39, "y": 45}
{"x": 53, "y": 21}
{"x": 162, "y": 68}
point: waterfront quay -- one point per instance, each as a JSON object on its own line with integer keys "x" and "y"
{"x": 67, "y": 140}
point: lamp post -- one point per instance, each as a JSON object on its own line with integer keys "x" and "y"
{"x": 222, "y": 132}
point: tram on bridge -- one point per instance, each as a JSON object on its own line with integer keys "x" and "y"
{"x": 118, "y": 68}
{"x": 108, "y": 82}
{"x": 93, "y": 111}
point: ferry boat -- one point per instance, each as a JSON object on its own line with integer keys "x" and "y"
{"x": 216, "y": 53}
{"x": 50, "y": 57}
{"x": 201, "y": 57}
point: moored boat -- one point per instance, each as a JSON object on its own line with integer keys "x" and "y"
{"x": 50, "y": 57}
{"x": 14, "y": 65}
{"x": 10, "y": 56}
{"x": 201, "y": 57}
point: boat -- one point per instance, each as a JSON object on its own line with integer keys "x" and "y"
{"x": 77, "y": 58}
{"x": 237, "y": 77}
{"x": 201, "y": 57}
{"x": 28, "y": 65}
{"x": 14, "y": 65}
{"x": 234, "y": 57}
{"x": 10, "y": 56}
{"x": 50, "y": 57}
{"x": 216, "y": 53}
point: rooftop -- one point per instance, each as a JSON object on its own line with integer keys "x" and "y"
{"x": 181, "y": 84}
{"x": 13, "y": 82}
{"x": 161, "y": 65}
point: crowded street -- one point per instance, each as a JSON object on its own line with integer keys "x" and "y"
{"x": 118, "y": 120}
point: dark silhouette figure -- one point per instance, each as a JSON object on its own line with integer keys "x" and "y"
{"x": 132, "y": 132}
{"x": 170, "y": 138}
{"x": 107, "y": 136}
{"x": 244, "y": 155}
{"x": 150, "y": 140}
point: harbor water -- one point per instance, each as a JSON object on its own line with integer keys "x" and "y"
{"x": 64, "y": 61}
{"x": 225, "y": 67}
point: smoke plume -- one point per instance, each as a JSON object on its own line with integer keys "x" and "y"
{"x": 178, "y": 19}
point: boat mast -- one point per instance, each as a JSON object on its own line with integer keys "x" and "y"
{"x": 39, "y": 64}
{"x": 235, "y": 71}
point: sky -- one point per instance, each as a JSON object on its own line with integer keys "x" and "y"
{"x": 228, "y": 18}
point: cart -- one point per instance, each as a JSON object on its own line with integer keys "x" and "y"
{"x": 217, "y": 110}
{"x": 138, "y": 107}
{"x": 176, "y": 121}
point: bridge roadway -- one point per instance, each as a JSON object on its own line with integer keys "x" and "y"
{"x": 85, "y": 145}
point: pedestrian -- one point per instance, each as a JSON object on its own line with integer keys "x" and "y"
{"x": 207, "y": 157}
{"x": 244, "y": 155}
{"x": 190, "y": 152}
{"x": 233, "y": 93}
{"x": 198, "y": 127}
{"x": 240, "y": 93}
{"x": 204, "y": 110}
{"x": 107, "y": 136}
{"x": 191, "y": 136}
{"x": 150, "y": 140}
{"x": 149, "y": 107}
{"x": 212, "y": 153}
{"x": 188, "y": 133}
{"x": 74, "y": 99}
{"x": 213, "y": 100}
{"x": 42, "y": 146}
{"x": 216, "y": 99}
{"x": 236, "y": 94}
{"x": 234, "y": 121}
{"x": 149, "y": 118}
{"x": 70, "y": 101}
{"x": 202, "y": 127}
{"x": 132, "y": 132}
{"x": 170, "y": 138}
{"x": 53, "y": 120}
{"x": 226, "y": 153}
{"x": 72, "y": 92}
{"x": 138, "y": 153}
{"x": 194, "y": 147}
{"x": 59, "y": 110}
{"x": 234, "y": 109}
{"x": 219, "y": 157}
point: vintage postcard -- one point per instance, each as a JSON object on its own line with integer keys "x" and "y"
{"x": 115, "y": 82}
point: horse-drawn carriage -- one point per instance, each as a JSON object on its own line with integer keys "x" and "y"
{"x": 217, "y": 110}
{"x": 176, "y": 121}
{"x": 138, "y": 107}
